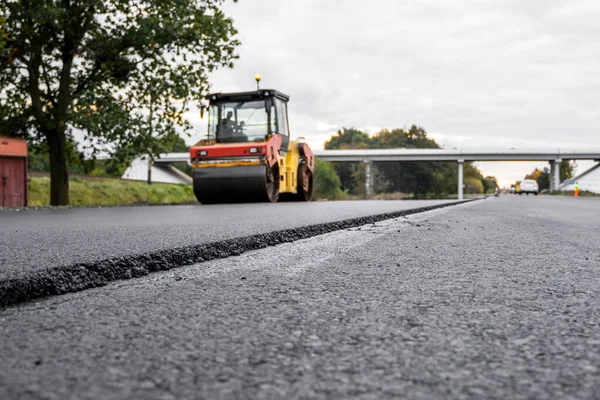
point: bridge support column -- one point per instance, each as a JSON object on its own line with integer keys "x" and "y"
{"x": 551, "y": 177}
{"x": 368, "y": 178}
{"x": 461, "y": 165}
{"x": 554, "y": 175}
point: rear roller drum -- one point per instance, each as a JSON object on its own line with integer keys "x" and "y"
{"x": 305, "y": 183}
{"x": 304, "y": 186}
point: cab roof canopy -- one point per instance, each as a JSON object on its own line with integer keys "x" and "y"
{"x": 248, "y": 96}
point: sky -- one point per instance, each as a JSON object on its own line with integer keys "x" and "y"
{"x": 494, "y": 74}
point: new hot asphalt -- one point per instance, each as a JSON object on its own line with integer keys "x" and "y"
{"x": 51, "y": 252}
{"x": 37, "y": 239}
{"x": 498, "y": 298}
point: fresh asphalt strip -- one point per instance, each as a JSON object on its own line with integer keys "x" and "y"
{"x": 76, "y": 277}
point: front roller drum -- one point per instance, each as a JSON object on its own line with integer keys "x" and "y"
{"x": 242, "y": 184}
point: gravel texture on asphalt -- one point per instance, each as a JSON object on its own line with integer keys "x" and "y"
{"x": 22, "y": 282}
{"x": 496, "y": 299}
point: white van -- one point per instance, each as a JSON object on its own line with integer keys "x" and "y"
{"x": 528, "y": 186}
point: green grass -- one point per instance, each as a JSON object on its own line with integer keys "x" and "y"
{"x": 112, "y": 192}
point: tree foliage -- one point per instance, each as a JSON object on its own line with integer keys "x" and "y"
{"x": 419, "y": 178}
{"x": 39, "y": 161}
{"x": 348, "y": 139}
{"x": 535, "y": 174}
{"x": 489, "y": 184}
{"x": 327, "y": 183}
{"x": 3, "y": 37}
{"x": 122, "y": 72}
{"x": 543, "y": 179}
{"x": 567, "y": 170}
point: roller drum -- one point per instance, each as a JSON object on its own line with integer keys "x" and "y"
{"x": 240, "y": 184}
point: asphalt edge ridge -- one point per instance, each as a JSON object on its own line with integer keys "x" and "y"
{"x": 76, "y": 277}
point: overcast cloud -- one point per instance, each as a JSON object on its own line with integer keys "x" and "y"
{"x": 474, "y": 74}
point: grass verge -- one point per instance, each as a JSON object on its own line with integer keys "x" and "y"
{"x": 111, "y": 192}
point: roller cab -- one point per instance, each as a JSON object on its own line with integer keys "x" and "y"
{"x": 247, "y": 155}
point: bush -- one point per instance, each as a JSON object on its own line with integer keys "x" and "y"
{"x": 327, "y": 184}
{"x": 98, "y": 172}
{"x": 473, "y": 185}
{"x": 38, "y": 162}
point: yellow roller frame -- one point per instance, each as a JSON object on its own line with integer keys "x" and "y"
{"x": 288, "y": 169}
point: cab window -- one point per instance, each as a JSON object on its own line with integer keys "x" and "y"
{"x": 282, "y": 118}
{"x": 240, "y": 122}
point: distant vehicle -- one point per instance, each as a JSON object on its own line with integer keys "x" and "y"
{"x": 513, "y": 189}
{"x": 497, "y": 191}
{"x": 528, "y": 186}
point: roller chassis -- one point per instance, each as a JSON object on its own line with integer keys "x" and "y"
{"x": 241, "y": 162}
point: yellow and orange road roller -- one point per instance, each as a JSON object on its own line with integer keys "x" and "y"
{"x": 247, "y": 155}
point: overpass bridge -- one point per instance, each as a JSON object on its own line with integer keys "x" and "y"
{"x": 368, "y": 156}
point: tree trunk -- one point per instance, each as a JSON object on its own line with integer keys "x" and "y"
{"x": 59, "y": 175}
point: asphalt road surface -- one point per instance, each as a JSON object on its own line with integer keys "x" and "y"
{"x": 59, "y": 251}
{"x": 38, "y": 239}
{"x": 497, "y": 298}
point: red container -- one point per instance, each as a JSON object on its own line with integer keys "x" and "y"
{"x": 13, "y": 172}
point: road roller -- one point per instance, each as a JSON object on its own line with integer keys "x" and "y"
{"x": 247, "y": 154}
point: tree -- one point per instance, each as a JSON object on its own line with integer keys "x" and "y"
{"x": 473, "y": 185}
{"x": 534, "y": 175}
{"x": 489, "y": 184}
{"x": 179, "y": 146}
{"x": 122, "y": 72}
{"x": 327, "y": 183}
{"x": 358, "y": 175}
{"x": 543, "y": 179}
{"x": 419, "y": 178}
{"x": 567, "y": 170}
{"x": 348, "y": 139}
{"x": 3, "y": 38}
{"x": 413, "y": 138}
{"x": 410, "y": 177}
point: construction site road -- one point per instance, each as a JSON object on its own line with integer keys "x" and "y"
{"x": 494, "y": 299}
{"x": 47, "y": 252}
